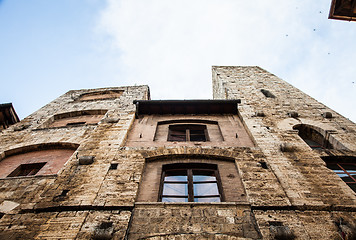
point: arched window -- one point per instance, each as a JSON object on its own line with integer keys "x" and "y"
{"x": 46, "y": 159}
{"x": 312, "y": 137}
{"x": 77, "y": 118}
{"x": 101, "y": 95}
{"x": 344, "y": 167}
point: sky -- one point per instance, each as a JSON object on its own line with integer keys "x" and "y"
{"x": 49, "y": 47}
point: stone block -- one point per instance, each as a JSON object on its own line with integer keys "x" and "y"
{"x": 86, "y": 160}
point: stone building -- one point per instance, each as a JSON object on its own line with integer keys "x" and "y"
{"x": 262, "y": 160}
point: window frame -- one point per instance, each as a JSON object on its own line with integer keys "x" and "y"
{"x": 342, "y": 170}
{"x": 27, "y": 169}
{"x": 189, "y": 168}
{"x": 313, "y": 137}
{"x": 188, "y": 132}
{"x": 314, "y": 144}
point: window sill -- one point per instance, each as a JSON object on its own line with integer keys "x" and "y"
{"x": 193, "y": 203}
{"x": 29, "y": 177}
{"x": 63, "y": 127}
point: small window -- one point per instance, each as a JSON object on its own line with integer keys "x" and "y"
{"x": 190, "y": 183}
{"x": 101, "y": 95}
{"x": 44, "y": 159}
{"x": 267, "y": 93}
{"x": 312, "y": 137}
{"x": 76, "y": 118}
{"x": 27, "y": 169}
{"x": 312, "y": 144}
{"x": 346, "y": 171}
{"x": 187, "y": 133}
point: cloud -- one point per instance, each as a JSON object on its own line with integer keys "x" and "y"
{"x": 171, "y": 45}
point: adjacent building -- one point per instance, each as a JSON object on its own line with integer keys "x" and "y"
{"x": 343, "y": 10}
{"x": 261, "y": 160}
{"x": 8, "y": 115}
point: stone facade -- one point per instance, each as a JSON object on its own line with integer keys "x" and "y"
{"x": 274, "y": 186}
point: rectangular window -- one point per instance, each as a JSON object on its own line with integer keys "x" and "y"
{"x": 190, "y": 183}
{"x": 187, "y": 133}
{"x": 27, "y": 169}
{"x": 346, "y": 171}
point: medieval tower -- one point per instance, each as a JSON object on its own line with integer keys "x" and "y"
{"x": 262, "y": 160}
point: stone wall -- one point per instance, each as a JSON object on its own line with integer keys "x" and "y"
{"x": 276, "y": 188}
{"x": 80, "y": 201}
{"x": 306, "y": 181}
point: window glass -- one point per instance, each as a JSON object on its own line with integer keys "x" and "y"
{"x": 174, "y": 178}
{"x": 211, "y": 199}
{"x": 171, "y": 199}
{"x": 190, "y": 182}
{"x": 348, "y": 167}
{"x": 345, "y": 170}
{"x": 175, "y": 189}
{"x": 203, "y": 189}
{"x": 312, "y": 144}
{"x": 199, "y": 175}
{"x": 342, "y": 175}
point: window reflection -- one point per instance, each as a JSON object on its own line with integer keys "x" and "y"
{"x": 190, "y": 183}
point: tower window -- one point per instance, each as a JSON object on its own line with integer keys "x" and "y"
{"x": 190, "y": 183}
{"x": 27, "y": 169}
{"x": 187, "y": 133}
{"x": 312, "y": 144}
{"x": 40, "y": 159}
{"x": 312, "y": 137}
{"x": 346, "y": 171}
{"x": 101, "y": 95}
{"x": 76, "y": 118}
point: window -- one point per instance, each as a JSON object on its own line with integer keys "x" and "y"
{"x": 312, "y": 144}
{"x": 187, "y": 133}
{"x": 101, "y": 95}
{"x": 346, "y": 171}
{"x": 312, "y": 137}
{"x": 40, "y": 159}
{"x": 27, "y": 169}
{"x": 199, "y": 178}
{"x": 76, "y": 118}
{"x": 190, "y": 183}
